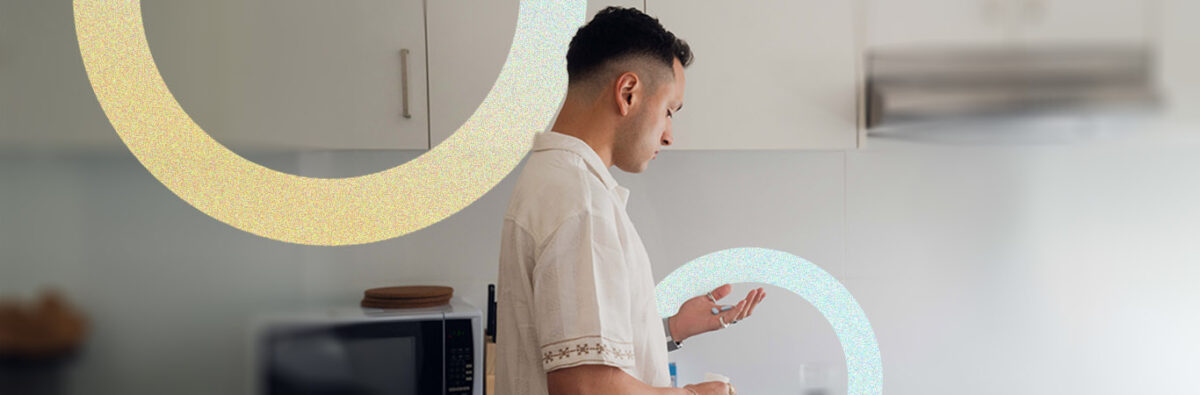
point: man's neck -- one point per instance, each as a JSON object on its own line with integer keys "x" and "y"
{"x": 584, "y": 121}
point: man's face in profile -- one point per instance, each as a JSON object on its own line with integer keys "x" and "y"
{"x": 649, "y": 126}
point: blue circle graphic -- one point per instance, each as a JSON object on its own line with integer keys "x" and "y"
{"x": 864, "y": 367}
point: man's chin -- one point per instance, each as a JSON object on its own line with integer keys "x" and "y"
{"x": 634, "y": 169}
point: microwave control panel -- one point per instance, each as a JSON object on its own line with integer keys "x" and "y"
{"x": 460, "y": 357}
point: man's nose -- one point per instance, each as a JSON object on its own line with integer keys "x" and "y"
{"x": 667, "y": 138}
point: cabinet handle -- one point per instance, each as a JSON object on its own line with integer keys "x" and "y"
{"x": 404, "y": 81}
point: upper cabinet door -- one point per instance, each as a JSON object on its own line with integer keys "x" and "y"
{"x": 468, "y": 44}
{"x": 326, "y": 74}
{"x": 1006, "y": 22}
{"x": 1083, "y": 21}
{"x": 939, "y": 22}
{"x": 778, "y": 74}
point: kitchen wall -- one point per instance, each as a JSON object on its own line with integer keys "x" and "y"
{"x": 984, "y": 269}
{"x": 1043, "y": 269}
{"x": 1039, "y": 269}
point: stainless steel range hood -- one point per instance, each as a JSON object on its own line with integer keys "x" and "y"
{"x": 929, "y": 86}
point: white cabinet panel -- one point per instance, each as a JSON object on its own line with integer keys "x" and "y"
{"x": 468, "y": 44}
{"x": 767, "y": 74}
{"x": 985, "y": 22}
{"x": 329, "y": 75}
{"x": 950, "y": 22}
{"x": 1107, "y": 21}
{"x": 254, "y": 74}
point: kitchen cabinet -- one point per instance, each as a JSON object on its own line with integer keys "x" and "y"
{"x": 327, "y": 75}
{"x": 1104, "y": 21}
{"x": 1007, "y": 22}
{"x": 283, "y": 75}
{"x": 313, "y": 74}
{"x": 468, "y": 44}
{"x": 776, "y": 74}
{"x": 951, "y": 22}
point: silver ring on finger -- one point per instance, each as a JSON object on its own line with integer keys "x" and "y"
{"x": 722, "y": 321}
{"x": 710, "y": 297}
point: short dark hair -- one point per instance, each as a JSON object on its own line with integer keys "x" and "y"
{"x": 616, "y": 33}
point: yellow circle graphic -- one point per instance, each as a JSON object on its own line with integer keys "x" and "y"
{"x": 321, "y": 211}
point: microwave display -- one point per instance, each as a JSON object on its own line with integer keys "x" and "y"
{"x": 460, "y": 356}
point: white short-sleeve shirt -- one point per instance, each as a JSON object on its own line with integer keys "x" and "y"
{"x": 575, "y": 284}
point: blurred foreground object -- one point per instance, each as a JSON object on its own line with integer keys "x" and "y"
{"x": 978, "y": 86}
{"x": 36, "y": 342}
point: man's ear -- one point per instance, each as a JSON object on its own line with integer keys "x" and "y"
{"x": 628, "y": 91}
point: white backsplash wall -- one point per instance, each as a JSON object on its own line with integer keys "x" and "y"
{"x": 170, "y": 291}
{"x": 689, "y": 204}
{"x": 1055, "y": 269}
{"x": 983, "y": 269}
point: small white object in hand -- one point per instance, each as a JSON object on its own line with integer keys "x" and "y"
{"x": 715, "y": 377}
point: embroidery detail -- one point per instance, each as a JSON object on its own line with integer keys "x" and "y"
{"x": 581, "y": 349}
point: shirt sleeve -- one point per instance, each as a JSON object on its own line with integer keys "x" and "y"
{"x": 582, "y": 297}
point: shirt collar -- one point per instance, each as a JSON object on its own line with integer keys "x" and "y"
{"x": 551, "y": 140}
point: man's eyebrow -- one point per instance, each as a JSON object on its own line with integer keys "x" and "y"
{"x": 679, "y": 108}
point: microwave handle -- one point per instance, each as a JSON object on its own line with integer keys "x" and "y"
{"x": 490, "y": 331}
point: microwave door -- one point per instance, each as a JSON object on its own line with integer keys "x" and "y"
{"x": 384, "y": 358}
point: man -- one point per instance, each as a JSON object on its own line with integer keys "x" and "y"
{"x": 576, "y": 304}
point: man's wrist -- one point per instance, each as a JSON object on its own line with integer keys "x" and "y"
{"x": 673, "y": 327}
{"x": 672, "y": 344}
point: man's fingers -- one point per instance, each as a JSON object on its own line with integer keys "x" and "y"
{"x": 721, "y": 291}
{"x": 761, "y": 295}
{"x": 752, "y": 300}
{"x": 753, "y": 295}
{"x": 745, "y": 300}
{"x": 726, "y": 316}
{"x": 734, "y": 313}
{"x": 742, "y": 309}
{"x": 749, "y": 301}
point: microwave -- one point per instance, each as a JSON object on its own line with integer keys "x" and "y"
{"x": 356, "y": 350}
